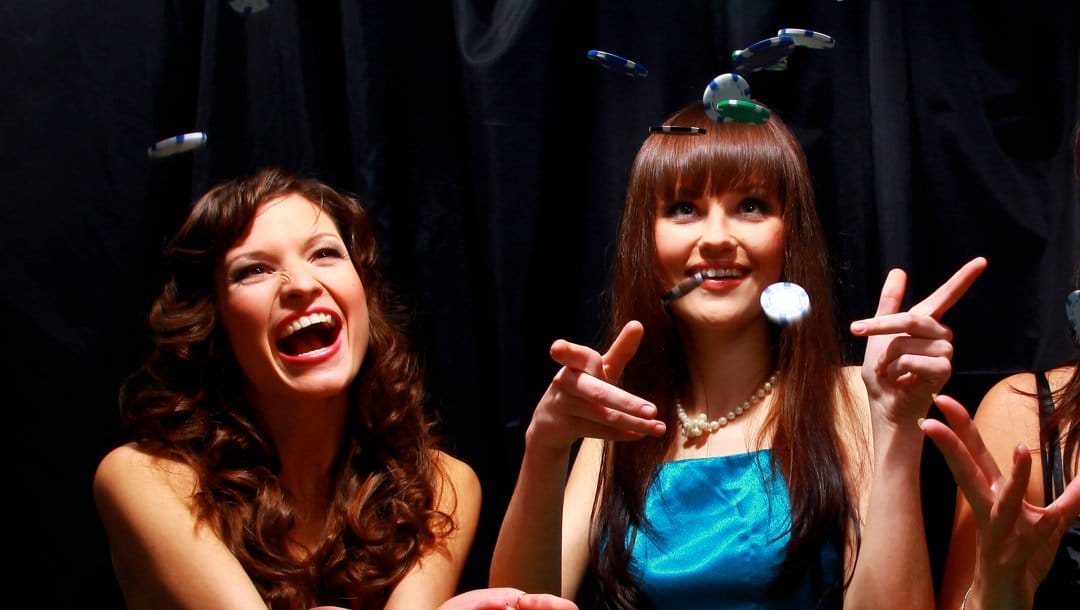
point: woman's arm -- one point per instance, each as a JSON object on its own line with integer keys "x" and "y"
{"x": 434, "y": 579}
{"x": 543, "y": 542}
{"x": 907, "y": 361}
{"x": 159, "y": 553}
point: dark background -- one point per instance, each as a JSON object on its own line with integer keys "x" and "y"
{"x": 494, "y": 156}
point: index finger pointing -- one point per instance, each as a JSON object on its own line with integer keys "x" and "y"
{"x": 950, "y": 292}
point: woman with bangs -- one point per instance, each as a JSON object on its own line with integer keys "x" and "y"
{"x": 729, "y": 461}
{"x": 279, "y": 454}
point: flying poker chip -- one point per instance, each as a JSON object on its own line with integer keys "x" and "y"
{"x": 247, "y": 7}
{"x": 785, "y": 302}
{"x": 727, "y": 86}
{"x": 808, "y": 38}
{"x": 742, "y": 111}
{"x": 1072, "y": 310}
{"x": 763, "y": 53}
{"x": 612, "y": 61}
{"x": 677, "y": 129}
{"x": 176, "y": 145}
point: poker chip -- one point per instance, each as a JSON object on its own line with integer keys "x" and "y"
{"x": 1072, "y": 310}
{"x": 727, "y": 86}
{"x": 677, "y": 129}
{"x": 247, "y": 7}
{"x": 742, "y": 111}
{"x": 785, "y": 302}
{"x": 612, "y": 61}
{"x": 763, "y": 53}
{"x": 808, "y": 38}
{"x": 176, "y": 145}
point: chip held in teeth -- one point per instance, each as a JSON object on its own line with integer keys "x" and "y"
{"x": 785, "y": 302}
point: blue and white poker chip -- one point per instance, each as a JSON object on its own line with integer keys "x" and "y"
{"x": 763, "y": 53}
{"x": 612, "y": 61}
{"x": 727, "y": 86}
{"x": 785, "y": 302}
{"x": 1072, "y": 310}
{"x": 808, "y": 38}
{"x": 176, "y": 145}
{"x": 247, "y": 7}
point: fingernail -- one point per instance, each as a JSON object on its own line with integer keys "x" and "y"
{"x": 921, "y": 421}
{"x": 858, "y": 327}
{"x": 648, "y": 410}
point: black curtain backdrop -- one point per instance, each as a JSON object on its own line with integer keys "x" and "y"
{"x": 494, "y": 157}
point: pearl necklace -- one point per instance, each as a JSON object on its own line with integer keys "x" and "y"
{"x": 691, "y": 427}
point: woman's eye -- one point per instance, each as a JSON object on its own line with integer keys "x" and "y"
{"x": 680, "y": 208}
{"x": 247, "y": 272}
{"x": 753, "y": 205}
{"x": 329, "y": 253}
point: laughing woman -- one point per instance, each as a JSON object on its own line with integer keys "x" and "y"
{"x": 279, "y": 452}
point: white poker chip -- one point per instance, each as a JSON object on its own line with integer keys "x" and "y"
{"x": 808, "y": 38}
{"x": 247, "y": 7}
{"x": 176, "y": 145}
{"x": 1072, "y": 310}
{"x": 727, "y": 86}
{"x": 785, "y": 302}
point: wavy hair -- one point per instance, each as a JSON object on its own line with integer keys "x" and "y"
{"x": 803, "y": 428}
{"x": 186, "y": 404}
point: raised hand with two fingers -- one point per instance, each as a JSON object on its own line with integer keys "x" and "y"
{"x": 909, "y": 353}
{"x": 582, "y": 400}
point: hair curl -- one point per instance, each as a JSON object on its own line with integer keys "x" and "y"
{"x": 186, "y": 403}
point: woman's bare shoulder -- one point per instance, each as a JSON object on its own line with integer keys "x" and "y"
{"x": 127, "y": 469}
{"x": 459, "y": 476}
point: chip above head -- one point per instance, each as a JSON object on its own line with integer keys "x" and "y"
{"x": 1072, "y": 310}
{"x": 763, "y": 53}
{"x": 176, "y": 145}
{"x": 785, "y": 302}
{"x": 742, "y": 111}
{"x": 247, "y": 7}
{"x": 808, "y": 38}
{"x": 612, "y": 61}
{"x": 687, "y": 130}
{"x": 727, "y": 86}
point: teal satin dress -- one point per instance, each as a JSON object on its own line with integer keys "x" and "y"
{"x": 718, "y": 531}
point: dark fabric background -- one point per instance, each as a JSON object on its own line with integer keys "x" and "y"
{"x": 494, "y": 156}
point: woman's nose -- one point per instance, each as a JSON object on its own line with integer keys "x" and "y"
{"x": 716, "y": 232}
{"x": 298, "y": 282}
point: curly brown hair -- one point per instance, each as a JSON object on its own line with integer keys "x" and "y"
{"x": 186, "y": 403}
{"x": 806, "y": 446}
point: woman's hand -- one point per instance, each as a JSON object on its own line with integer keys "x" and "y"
{"x": 909, "y": 354}
{"x": 1016, "y": 541}
{"x": 582, "y": 401}
{"x": 506, "y": 598}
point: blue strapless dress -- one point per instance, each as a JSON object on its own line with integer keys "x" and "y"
{"x": 717, "y": 534}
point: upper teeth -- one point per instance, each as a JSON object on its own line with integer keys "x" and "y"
{"x": 711, "y": 273}
{"x": 308, "y": 320}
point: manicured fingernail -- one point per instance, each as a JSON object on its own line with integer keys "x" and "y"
{"x": 858, "y": 327}
{"x": 921, "y": 421}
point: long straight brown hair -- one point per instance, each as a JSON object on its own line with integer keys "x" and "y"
{"x": 1067, "y": 410}
{"x": 802, "y": 429}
